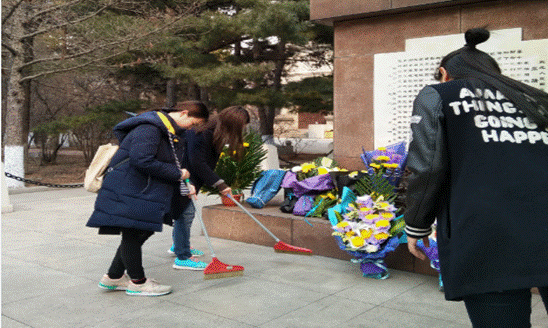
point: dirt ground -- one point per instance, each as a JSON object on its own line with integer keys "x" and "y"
{"x": 69, "y": 168}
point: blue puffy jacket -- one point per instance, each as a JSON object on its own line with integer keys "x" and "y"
{"x": 142, "y": 192}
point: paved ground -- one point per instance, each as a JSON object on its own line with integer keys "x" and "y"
{"x": 51, "y": 265}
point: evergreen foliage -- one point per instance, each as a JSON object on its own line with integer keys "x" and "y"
{"x": 376, "y": 185}
{"x": 240, "y": 174}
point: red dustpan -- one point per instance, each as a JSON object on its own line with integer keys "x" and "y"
{"x": 280, "y": 246}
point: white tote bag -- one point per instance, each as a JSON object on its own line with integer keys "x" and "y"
{"x": 98, "y": 166}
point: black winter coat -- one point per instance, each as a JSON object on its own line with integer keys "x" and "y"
{"x": 143, "y": 192}
{"x": 481, "y": 168}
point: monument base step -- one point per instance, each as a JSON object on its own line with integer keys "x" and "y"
{"x": 233, "y": 223}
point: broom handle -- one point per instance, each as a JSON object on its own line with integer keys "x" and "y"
{"x": 251, "y": 215}
{"x": 204, "y": 230}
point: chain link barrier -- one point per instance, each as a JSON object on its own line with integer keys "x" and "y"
{"x": 52, "y": 185}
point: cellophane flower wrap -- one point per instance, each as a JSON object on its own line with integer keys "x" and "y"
{"x": 389, "y": 160}
{"x": 367, "y": 229}
{"x": 366, "y": 223}
{"x": 309, "y": 180}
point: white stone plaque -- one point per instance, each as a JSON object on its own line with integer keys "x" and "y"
{"x": 399, "y": 76}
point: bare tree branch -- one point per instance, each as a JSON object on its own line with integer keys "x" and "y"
{"x": 111, "y": 44}
{"x": 55, "y": 27}
{"x": 10, "y": 49}
{"x": 67, "y": 69}
{"x": 10, "y": 13}
{"x": 54, "y": 8}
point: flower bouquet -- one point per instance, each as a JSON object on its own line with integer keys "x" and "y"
{"x": 389, "y": 161}
{"x": 366, "y": 222}
{"x": 308, "y": 180}
{"x": 368, "y": 229}
{"x": 432, "y": 253}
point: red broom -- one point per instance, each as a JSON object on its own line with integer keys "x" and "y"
{"x": 217, "y": 269}
{"x": 280, "y": 246}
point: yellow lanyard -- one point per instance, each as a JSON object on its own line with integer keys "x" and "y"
{"x": 168, "y": 125}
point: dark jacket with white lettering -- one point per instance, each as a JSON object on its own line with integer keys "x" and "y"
{"x": 481, "y": 168}
{"x": 142, "y": 192}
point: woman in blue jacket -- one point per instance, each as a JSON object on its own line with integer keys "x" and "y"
{"x": 141, "y": 192}
{"x": 479, "y": 164}
{"x": 205, "y": 145}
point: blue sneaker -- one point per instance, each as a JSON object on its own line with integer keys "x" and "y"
{"x": 190, "y": 264}
{"x": 195, "y": 252}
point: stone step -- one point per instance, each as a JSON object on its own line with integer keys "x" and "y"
{"x": 230, "y": 222}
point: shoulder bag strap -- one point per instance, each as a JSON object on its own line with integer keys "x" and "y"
{"x": 183, "y": 188}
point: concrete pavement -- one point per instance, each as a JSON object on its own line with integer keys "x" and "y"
{"x": 51, "y": 264}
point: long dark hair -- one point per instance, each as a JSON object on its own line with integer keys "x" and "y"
{"x": 228, "y": 128}
{"x": 469, "y": 62}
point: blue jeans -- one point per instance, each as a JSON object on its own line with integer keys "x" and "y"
{"x": 181, "y": 232}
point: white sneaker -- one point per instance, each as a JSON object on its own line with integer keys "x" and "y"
{"x": 114, "y": 284}
{"x": 150, "y": 288}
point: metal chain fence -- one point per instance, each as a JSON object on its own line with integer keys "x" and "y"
{"x": 52, "y": 185}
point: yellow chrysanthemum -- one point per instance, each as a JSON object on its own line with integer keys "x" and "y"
{"x": 382, "y": 236}
{"x": 322, "y": 170}
{"x": 375, "y": 166}
{"x": 357, "y": 241}
{"x": 306, "y": 167}
{"x": 350, "y": 233}
{"x": 234, "y": 152}
{"x": 383, "y": 158}
{"x": 331, "y": 196}
{"x": 371, "y": 217}
{"x": 365, "y": 209}
{"x": 222, "y": 154}
{"x": 342, "y": 224}
{"x": 382, "y": 148}
{"x": 366, "y": 233}
{"x": 382, "y": 223}
{"x": 382, "y": 205}
{"x": 246, "y": 144}
{"x": 387, "y": 215}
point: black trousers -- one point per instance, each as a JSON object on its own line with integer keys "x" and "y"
{"x": 129, "y": 256}
{"x": 510, "y": 308}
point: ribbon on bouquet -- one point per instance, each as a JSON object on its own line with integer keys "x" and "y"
{"x": 373, "y": 268}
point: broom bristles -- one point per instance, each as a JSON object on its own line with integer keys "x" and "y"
{"x": 291, "y": 252}
{"x": 282, "y": 247}
{"x": 223, "y": 275}
{"x": 218, "y": 269}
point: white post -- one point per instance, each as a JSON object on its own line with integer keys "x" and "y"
{"x": 14, "y": 157}
{"x": 271, "y": 161}
{"x": 6, "y": 205}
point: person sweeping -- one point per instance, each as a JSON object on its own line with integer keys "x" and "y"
{"x": 204, "y": 146}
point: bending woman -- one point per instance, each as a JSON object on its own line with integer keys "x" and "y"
{"x": 141, "y": 191}
{"x": 479, "y": 163}
{"x": 205, "y": 145}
